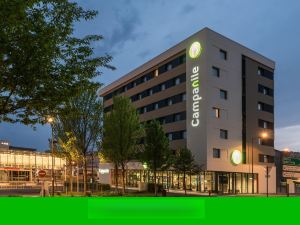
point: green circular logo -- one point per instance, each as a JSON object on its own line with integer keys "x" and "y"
{"x": 195, "y": 50}
{"x": 236, "y": 157}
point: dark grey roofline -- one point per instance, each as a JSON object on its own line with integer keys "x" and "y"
{"x": 167, "y": 54}
{"x": 21, "y": 148}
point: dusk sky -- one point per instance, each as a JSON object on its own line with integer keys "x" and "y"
{"x": 136, "y": 31}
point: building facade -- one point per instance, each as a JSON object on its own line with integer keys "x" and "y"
{"x": 288, "y": 172}
{"x": 21, "y": 165}
{"x": 215, "y": 97}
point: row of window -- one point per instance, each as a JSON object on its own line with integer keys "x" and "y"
{"x": 216, "y": 112}
{"x": 265, "y": 158}
{"x": 262, "y": 158}
{"x": 265, "y": 90}
{"x": 162, "y": 103}
{"x": 164, "y": 68}
{"x": 265, "y": 73}
{"x": 172, "y": 118}
{"x": 266, "y": 141}
{"x": 265, "y": 124}
{"x": 265, "y": 107}
{"x": 177, "y": 135}
{"x": 160, "y": 87}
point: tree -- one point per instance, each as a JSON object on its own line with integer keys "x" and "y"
{"x": 156, "y": 148}
{"x": 122, "y": 134}
{"x": 42, "y": 64}
{"x": 184, "y": 162}
{"x": 81, "y": 117}
{"x": 66, "y": 148}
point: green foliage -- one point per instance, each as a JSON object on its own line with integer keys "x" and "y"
{"x": 66, "y": 147}
{"x": 122, "y": 131}
{"x": 156, "y": 152}
{"x": 42, "y": 64}
{"x": 184, "y": 160}
{"x": 79, "y": 126}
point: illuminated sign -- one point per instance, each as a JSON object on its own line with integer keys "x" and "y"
{"x": 103, "y": 171}
{"x": 195, "y": 96}
{"x": 236, "y": 157}
{"x": 195, "y": 50}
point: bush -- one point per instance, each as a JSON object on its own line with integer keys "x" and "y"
{"x": 151, "y": 188}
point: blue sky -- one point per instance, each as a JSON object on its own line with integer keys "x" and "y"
{"x": 136, "y": 31}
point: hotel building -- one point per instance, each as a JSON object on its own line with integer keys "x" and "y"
{"x": 215, "y": 97}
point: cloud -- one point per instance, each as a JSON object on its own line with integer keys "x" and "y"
{"x": 288, "y": 137}
{"x": 125, "y": 22}
{"x": 187, "y": 9}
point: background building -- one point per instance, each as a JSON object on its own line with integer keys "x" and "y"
{"x": 215, "y": 97}
{"x": 19, "y": 165}
{"x": 288, "y": 172}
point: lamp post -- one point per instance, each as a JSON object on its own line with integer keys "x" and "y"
{"x": 51, "y": 121}
{"x": 263, "y": 135}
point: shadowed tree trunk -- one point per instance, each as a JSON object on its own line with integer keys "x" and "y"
{"x": 155, "y": 185}
{"x": 116, "y": 178}
{"x": 123, "y": 178}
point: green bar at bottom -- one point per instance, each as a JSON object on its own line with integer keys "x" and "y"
{"x": 146, "y": 208}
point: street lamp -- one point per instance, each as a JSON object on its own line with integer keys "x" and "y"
{"x": 50, "y": 120}
{"x": 264, "y": 135}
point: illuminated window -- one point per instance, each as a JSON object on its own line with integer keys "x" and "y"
{"x": 259, "y": 106}
{"x": 156, "y": 72}
{"x": 216, "y": 112}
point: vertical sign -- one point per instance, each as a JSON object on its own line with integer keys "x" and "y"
{"x": 194, "y": 98}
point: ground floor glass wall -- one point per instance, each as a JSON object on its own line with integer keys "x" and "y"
{"x": 208, "y": 181}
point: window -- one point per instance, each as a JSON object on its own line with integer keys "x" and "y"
{"x": 223, "y": 134}
{"x": 177, "y": 81}
{"x": 163, "y": 87}
{"x": 184, "y": 134}
{"x": 223, "y": 54}
{"x": 170, "y": 136}
{"x": 266, "y": 141}
{"x": 216, "y": 112}
{"x": 156, "y": 72}
{"x": 265, "y": 124}
{"x": 155, "y": 105}
{"x": 265, "y": 107}
{"x": 150, "y": 92}
{"x": 259, "y": 106}
{"x": 266, "y": 158}
{"x": 216, "y": 153}
{"x": 265, "y": 90}
{"x": 169, "y": 67}
{"x": 215, "y": 71}
{"x": 184, "y": 97}
{"x": 223, "y": 94}
{"x": 265, "y": 73}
